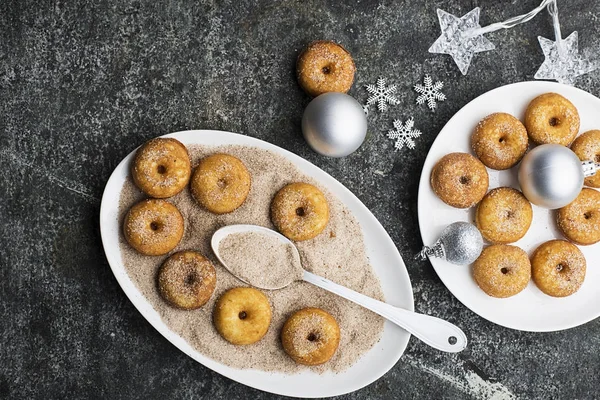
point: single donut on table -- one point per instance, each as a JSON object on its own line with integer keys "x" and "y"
{"x": 153, "y": 227}
{"x": 459, "y": 180}
{"x": 242, "y": 315}
{"x": 187, "y": 280}
{"x": 579, "y": 221}
{"x": 558, "y": 268}
{"x": 220, "y": 183}
{"x": 310, "y": 336}
{"x": 551, "y": 118}
{"x": 161, "y": 167}
{"x": 504, "y": 215}
{"x": 502, "y": 270}
{"x": 500, "y": 141}
{"x": 587, "y": 147}
{"x": 300, "y": 211}
{"x": 323, "y": 67}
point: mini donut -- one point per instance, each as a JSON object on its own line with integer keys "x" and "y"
{"x": 587, "y": 147}
{"x": 242, "y": 315}
{"x": 153, "y": 227}
{"x": 310, "y": 336}
{"x": 161, "y": 167}
{"x": 558, "y": 268}
{"x": 220, "y": 183}
{"x": 459, "y": 180}
{"x": 551, "y": 118}
{"x": 580, "y": 220}
{"x": 186, "y": 280}
{"x": 325, "y": 66}
{"x": 300, "y": 211}
{"x": 502, "y": 270}
{"x": 504, "y": 215}
{"x": 500, "y": 141}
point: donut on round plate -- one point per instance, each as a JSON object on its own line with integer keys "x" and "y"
{"x": 558, "y": 268}
{"x": 500, "y": 141}
{"x": 579, "y": 221}
{"x": 551, "y": 118}
{"x": 459, "y": 180}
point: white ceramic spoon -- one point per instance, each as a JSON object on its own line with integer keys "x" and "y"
{"x": 435, "y": 332}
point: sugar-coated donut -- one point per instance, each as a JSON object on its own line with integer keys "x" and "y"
{"x": 502, "y": 270}
{"x": 325, "y": 66}
{"x": 310, "y": 336}
{"x": 187, "y": 280}
{"x": 579, "y": 221}
{"x": 459, "y": 180}
{"x": 300, "y": 211}
{"x": 242, "y": 315}
{"x": 587, "y": 147}
{"x": 161, "y": 167}
{"x": 558, "y": 268}
{"x": 500, "y": 141}
{"x": 551, "y": 118}
{"x": 504, "y": 215}
{"x": 153, "y": 227}
{"x": 220, "y": 183}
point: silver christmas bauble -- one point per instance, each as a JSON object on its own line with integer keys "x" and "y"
{"x": 551, "y": 176}
{"x": 334, "y": 124}
{"x": 460, "y": 243}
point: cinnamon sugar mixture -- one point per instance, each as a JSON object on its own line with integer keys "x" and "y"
{"x": 261, "y": 260}
{"x": 337, "y": 254}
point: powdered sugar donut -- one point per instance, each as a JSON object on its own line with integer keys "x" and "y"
{"x": 500, "y": 141}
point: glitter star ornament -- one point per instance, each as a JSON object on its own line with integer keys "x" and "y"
{"x": 457, "y": 39}
{"x": 563, "y": 68}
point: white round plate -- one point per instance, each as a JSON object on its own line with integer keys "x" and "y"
{"x": 530, "y": 310}
{"x": 385, "y": 259}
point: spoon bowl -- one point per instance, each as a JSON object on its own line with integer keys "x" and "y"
{"x": 435, "y": 332}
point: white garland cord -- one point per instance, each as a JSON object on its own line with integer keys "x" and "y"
{"x": 553, "y": 10}
{"x": 509, "y": 23}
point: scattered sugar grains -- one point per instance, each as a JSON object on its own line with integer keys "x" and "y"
{"x": 337, "y": 254}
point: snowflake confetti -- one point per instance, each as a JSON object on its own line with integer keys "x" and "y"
{"x": 430, "y": 92}
{"x": 567, "y": 67}
{"x": 381, "y": 95}
{"x": 404, "y": 134}
{"x": 456, "y": 40}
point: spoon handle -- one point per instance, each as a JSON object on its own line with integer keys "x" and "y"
{"x": 435, "y": 332}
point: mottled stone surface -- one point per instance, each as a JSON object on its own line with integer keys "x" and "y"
{"x": 82, "y": 83}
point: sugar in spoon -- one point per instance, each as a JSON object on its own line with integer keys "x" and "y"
{"x": 433, "y": 331}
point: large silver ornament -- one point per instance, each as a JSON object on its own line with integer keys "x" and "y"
{"x": 334, "y": 124}
{"x": 551, "y": 175}
{"x": 460, "y": 243}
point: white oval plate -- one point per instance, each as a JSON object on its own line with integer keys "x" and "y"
{"x": 384, "y": 257}
{"x": 530, "y": 310}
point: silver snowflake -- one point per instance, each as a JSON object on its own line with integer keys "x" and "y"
{"x": 404, "y": 134}
{"x": 564, "y": 67}
{"x": 456, "y": 39}
{"x": 430, "y": 92}
{"x": 381, "y": 95}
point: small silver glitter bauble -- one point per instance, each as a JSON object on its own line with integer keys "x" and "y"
{"x": 460, "y": 243}
{"x": 334, "y": 124}
{"x": 551, "y": 176}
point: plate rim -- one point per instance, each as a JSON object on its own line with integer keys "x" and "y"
{"x": 137, "y": 299}
{"x": 424, "y": 184}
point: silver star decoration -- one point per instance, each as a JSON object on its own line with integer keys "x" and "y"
{"x": 566, "y": 67}
{"x": 456, "y": 41}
